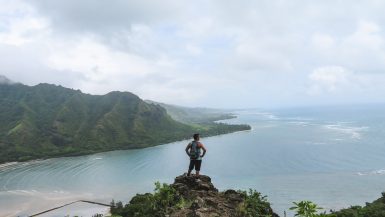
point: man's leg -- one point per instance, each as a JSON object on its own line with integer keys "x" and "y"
{"x": 198, "y": 164}
{"x": 190, "y": 167}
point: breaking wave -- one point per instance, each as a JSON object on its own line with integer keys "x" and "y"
{"x": 351, "y": 131}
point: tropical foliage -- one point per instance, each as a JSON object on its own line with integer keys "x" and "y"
{"x": 47, "y": 121}
{"x": 374, "y": 209}
{"x": 254, "y": 205}
{"x": 305, "y": 209}
{"x": 157, "y": 204}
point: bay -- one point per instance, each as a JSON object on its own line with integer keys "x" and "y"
{"x": 333, "y": 156}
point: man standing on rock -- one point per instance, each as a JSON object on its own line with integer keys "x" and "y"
{"x": 193, "y": 150}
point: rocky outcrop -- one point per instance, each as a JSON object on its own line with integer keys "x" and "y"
{"x": 204, "y": 200}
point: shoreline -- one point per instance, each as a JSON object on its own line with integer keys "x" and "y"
{"x": 16, "y": 164}
{"x": 10, "y": 163}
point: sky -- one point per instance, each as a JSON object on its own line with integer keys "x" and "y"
{"x": 210, "y": 53}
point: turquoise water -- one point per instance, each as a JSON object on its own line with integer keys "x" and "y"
{"x": 334, "y": 156}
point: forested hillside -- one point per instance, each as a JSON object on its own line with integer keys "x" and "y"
{"x": 194, "y": 115}
{"x": 48, "y": 120}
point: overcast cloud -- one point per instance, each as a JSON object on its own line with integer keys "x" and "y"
{"x": 201, "y": 53}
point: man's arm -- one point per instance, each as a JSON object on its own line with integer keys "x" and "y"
{"x": 187, "y": 149}
{"x": 204, "y": 149}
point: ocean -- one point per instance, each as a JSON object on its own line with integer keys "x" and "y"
{"x": 333, "y": 156}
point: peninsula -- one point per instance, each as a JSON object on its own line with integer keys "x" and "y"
{"x": 46, "y": 120}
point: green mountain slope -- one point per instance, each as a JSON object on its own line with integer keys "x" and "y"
{"x": 47, "y": 121}
{"x": 194, "y": 115}
{"x": 374, "y": 209}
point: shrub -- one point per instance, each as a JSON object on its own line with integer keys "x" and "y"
{"x": 254, "y": 205}
{"x": 305, "y": 209}
{"x": 157, "y": 204}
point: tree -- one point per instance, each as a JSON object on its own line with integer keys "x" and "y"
{"x": 305, "y": 209}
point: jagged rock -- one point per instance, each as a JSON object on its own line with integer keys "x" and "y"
{"x": 233, "y": 196}
{"x": 198, "y": 203}
{"x": 190, "y": 196}
{"x": 191, "y": 187}
{"x": 205, "y": 200}
{"x": 211, "y": 202}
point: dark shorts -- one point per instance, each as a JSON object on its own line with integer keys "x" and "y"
{"x": 196, "y": 164}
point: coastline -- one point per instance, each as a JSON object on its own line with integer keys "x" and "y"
{"x": 10, "y": 163}
{"x": 90, "y": 209}
{"x": 270, "y": 184}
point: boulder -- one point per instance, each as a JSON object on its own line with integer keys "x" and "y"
{"x": 204, "y": 200}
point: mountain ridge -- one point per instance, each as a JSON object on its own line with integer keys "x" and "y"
{"x": 48, "y": 120}
{"x": 194, "y": 115}
{"x": 5, "y": 80}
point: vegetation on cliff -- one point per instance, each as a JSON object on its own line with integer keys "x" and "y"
{"x": 48, "y": 121}
{"x": 374, "y": 209}
{"x": 197, "y": 115}
{"x": 189, "y": 196}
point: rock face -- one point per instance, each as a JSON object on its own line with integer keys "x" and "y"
{"x": 205, "y": 199}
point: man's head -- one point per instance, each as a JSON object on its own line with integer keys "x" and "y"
{"x": 196, "y": 136}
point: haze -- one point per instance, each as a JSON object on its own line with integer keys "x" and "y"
{"x": 218, "y": 53}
